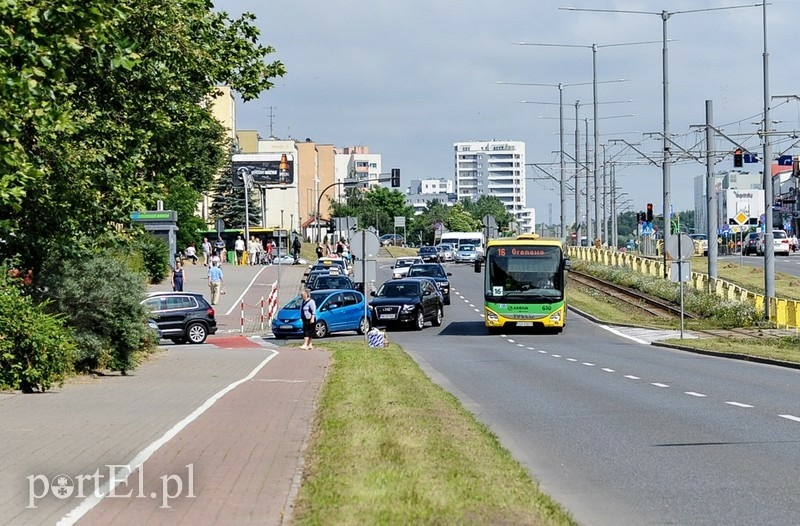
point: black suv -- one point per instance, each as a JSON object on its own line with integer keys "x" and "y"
{"x": 437, "y": 273}
{"x": 429, "y": 254}
{"x": 407, "y": 300}
{"x": 183, "y": 317}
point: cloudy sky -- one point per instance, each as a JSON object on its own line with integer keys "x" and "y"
{"x": 409, "y": 78}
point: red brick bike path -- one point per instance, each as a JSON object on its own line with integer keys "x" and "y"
{"x": 242, "y": 456}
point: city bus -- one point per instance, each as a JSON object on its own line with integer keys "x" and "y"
{"x": 524, "y": 283}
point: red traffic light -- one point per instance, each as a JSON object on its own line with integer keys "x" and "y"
{"x": 738, "y": 160}
{"x": 649, "y": 216}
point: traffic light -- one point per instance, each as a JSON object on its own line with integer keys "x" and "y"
{"x": 395, "y": 177}
{"x": 738, "y": 160}
{"x": 331, "y": 226}
{"x": 649, "y": 216}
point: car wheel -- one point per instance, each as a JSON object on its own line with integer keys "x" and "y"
{"x": 180, "y": 340}
{"x": 437, "y": 321}
{"x": 196, "y": 333}
{"x": 419, "y": 320}
{"x": 320, "y": 329}
{"x": 363, "y": 326}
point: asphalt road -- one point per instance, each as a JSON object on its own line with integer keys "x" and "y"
{"x": 620, "y": 432}
{"x": 788, "y": 265}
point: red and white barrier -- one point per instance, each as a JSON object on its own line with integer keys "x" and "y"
{"x": 272, "y": 301}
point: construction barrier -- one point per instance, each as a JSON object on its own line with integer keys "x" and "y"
{"x": 260, "y": 313}
{"x": 784, "y": 313}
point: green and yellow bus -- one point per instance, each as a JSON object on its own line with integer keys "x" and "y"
{"x": 524, "y": 283}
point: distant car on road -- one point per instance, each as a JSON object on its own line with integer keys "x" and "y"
{"x": 447, "y": 251}
{"x": 702, "y": 239}
{"x": 750, "y": 245}
{"x": 466, "y": 254}
{"x": 429, "y": 254}
{"x": 337, "y": 310}
{"x": 183, "y": 317}
{"x": 436, "y": 272}
{"x": 400, "y": 267}
{"x": 391, "y": 239}
{"x": 780, "y": 243}
{"x": 407, "y": 301}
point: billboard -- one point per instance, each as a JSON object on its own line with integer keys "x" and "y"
{"x": 265, "y": 169}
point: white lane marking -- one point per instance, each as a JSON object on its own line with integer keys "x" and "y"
{"x": 237, "y": 304}
{"x": 472, "y": 305}
{"x": 606, "y": 369}
{"x": 477, "y": 310}
{"x": 520, "y": 345}
{"x": 482, "y": 315}
{"x": 511, "y": 341}
{"x": 571, "y": 360}
{"x": 542, "y": 352}
{"x": 530, "y": 348}
{"x": 631, "y": 377}
{"x": 588, "y": 364}
{"x": 556, "y": 356}
{"x": 632, "y": 338}
{"x": 141, "y": 457}
{"x": 738, "y": 404}
{"x": 692, "y": 393}
{"x": 659, "y": 385}
{"x": 790, "y": 417}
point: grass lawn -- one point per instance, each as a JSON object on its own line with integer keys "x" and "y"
{"x": 751, "y": 278}
{"x": 782, "y": 349}
{"x": 399, "y": 252}
{"x": 390, "y": 447}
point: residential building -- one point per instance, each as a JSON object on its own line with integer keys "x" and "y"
{"x": 493, "y": 168}
{"x": 423, "y": 191}
{"x": 357, "y": 164}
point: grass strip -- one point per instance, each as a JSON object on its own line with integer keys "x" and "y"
{"x": 391, "y": 447}
{"x": 782, "y": 349}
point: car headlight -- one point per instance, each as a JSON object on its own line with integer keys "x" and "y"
{"x": 408, "y": 308}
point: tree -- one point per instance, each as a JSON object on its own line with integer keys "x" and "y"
{"x": 488, "y": 204}
{"x": 423, "y": 225}
{"x": 228, "y": 204}
{"x": 459, "y": 220}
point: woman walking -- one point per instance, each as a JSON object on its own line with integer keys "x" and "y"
{"x": 308, "y": 313}
{"x": 178, "y": 279}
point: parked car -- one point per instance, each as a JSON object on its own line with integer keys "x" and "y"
{"x": 407, "y": 301}
{"x": 447, "y": 251}
{"x": 750, "y": 245}
{"x": 436, "y": 272}
{"x": 391, "y": 239}
{"x": 780, "y": 243}
{"x": 429, "y": 254}
{"x": 322, "y": 281}
{"x": 337, "y": 310}
{"x": 702, "y": 241}
{"x": 466, "y": 254}
{"x": 400, "y": 267}
{"x": 183, "y": 317}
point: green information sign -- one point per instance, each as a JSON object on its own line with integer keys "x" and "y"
{"x": 154, "y": 216}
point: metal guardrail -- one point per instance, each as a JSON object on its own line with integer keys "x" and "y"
{"x": 783, "y": 313}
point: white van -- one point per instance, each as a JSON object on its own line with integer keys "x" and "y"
{"x": 456, "y": 239}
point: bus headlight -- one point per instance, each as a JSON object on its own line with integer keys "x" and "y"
{"x": 555, "y": 317}
{"x": 491, "y": 316}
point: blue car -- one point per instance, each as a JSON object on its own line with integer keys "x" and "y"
{"x": 337, "y": 310}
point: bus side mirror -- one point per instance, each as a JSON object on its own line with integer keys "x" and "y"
{"x": 477, "y": 265}
{"x": 567, "y": 264}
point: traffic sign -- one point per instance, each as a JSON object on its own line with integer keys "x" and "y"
{"x": 680, "y": 246}
{"x": 741, "y": 218}
{"x": 647, "y": 229}
{"x": 220, "y": 225}
{"x": 400, "y": 221}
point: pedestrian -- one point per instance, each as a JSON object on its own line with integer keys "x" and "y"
{"x": 191, "y": 253}
{"x": 238, "y": 247}
{"x": 220, "y": 247}
{"x": 252, "y": 250}
{"x": 308, "y": 313}
{"x": 296, "y": 248}
{"x": 216, "y": 282}
{"x": 269, "y": 252}
{"x": 339, "y": 248}
{"x": 178, "y": 279}
{"x": 319, "y": 250}
{"x": 206, "y": 248}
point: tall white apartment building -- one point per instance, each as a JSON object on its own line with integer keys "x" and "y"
{"x": 495, "y": 168}
{"x": 357, "y": 164}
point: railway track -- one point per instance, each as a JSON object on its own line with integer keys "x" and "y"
{"x": 648, "y": 304}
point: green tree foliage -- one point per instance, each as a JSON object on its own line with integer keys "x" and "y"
{"x": 488, "y": 204}
{"x": 104, "y": 103}
{"x": 376, "y": 207}
{"x": 459, "y": 220}
{"x": 99, "y": 296}
{"x": 228, "y": 204}
{"x": 423, "y": 226}
{"x": 36, "y": 349}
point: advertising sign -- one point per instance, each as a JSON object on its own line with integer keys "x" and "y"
{"x": 264, "y": 169}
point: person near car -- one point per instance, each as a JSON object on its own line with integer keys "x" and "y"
{"x": 215, "y": 282}
{"x": 296, "y": 248}
{"x": 219, "y": 246}
{"x": 269, "y": 251}
{"x": 238, "y": 247}
{"x": 308, "y": 313}
{"x": 178, "y": 279}
{"x": 191, "y": 253}
{"x": 206, "y": 248}
{"x": 319, "y": 250}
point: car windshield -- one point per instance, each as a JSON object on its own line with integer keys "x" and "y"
{"x": 332, "y": 282}
{"x": 297, "y": 301}
{"x": 398, "y": 290}
{"x": 779, "y": 234}
{"x": 427, "y": 250}
{"x": 434, "y": 271}
{"x": 445, "y": 246}
{"x": 467, "y": 248}
{"x": 402, "y": 263}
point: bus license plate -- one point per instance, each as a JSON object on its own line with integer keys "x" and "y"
{"x": 524, "y": 324}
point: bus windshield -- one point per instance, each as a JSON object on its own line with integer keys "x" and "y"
{"x": 524, "y": 272}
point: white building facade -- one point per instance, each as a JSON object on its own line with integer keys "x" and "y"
{"x": 494, "y": 168}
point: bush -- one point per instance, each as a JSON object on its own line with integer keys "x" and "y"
{"x": 100, "y": 297}
{"x": 154, "y": 254}
{"x": 36, "y": 349}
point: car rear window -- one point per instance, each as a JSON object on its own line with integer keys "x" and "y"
{"x": 779, "y": 234}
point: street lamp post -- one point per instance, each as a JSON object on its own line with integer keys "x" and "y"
{"x": 665, "y": 163}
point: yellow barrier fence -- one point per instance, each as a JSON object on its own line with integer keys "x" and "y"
{"x": 784, "y": 313}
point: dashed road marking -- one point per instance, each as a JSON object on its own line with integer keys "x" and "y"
{"x": 511, "y": 341}
{"x": 739, "y": 404}
{"x": 791, "y": 417}
{"x": 658, "y": 384}
{"x": 520, "y": 345}
{"x": 588, "y": 364}
{"x": 542, "y": 352}
{"x": 606, "y": 369}
{"x": 692, "y": 393}
{"x": 556, "y": 356}
{"x": 571, "y": 360}
{"x": 477, "y": 310}
{"x": 631, "y": 377}
{"x": 530, "y": 348}
{"x": 472, "y": 305}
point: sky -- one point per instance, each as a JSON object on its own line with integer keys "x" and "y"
{"x": 409, "y": 78}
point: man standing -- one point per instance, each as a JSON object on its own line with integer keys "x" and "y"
{"x": 206, "y": 246}
{"x": 215, "y": 282}
{"x": 219, "y": 245}
{"x": 296, "y": 248}
{"x": 239, "y": 247}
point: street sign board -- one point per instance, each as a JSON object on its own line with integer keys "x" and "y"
{"x": 364, "y": 245}
{"x": 741, "y": 218}
{"x": 680, "y": 246}
{"x": 400, "y": 221}
{"x": 154, "y": 216}
{"x": 220, "y": 225}
{"x": 647, "y": 229}
{"x": 680, "y": 271}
